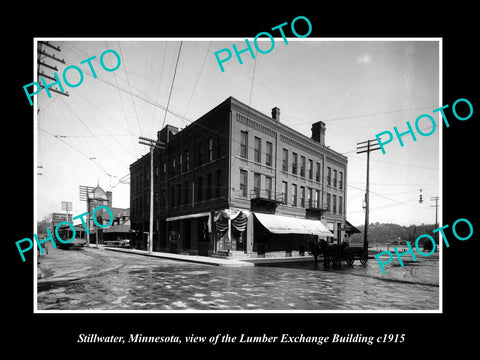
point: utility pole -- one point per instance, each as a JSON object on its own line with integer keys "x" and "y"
{"x": 85, "y": 192}
{"x": 41, "y": 54}
{"x": 435, "y": 198}
{"x": 154, "y": 144}
{"x": 371, "y": 145}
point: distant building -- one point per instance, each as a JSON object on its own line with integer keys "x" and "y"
{"x": 239, "y": 181}
{"x": 120, "y": 226}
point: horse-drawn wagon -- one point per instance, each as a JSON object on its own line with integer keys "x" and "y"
{"x": 333, "y": 254}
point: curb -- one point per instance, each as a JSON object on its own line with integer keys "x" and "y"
{"x": 187, "y": 258}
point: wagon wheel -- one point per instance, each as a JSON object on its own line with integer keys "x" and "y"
{"x": 350, "y": 258}
{"x": 326, "y": 262}
{"x": 364, "y": 258}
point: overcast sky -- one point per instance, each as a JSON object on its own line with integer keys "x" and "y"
{"x": 358, "y": 88}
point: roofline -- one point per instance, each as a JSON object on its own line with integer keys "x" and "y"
{"x": 281, "y": 126}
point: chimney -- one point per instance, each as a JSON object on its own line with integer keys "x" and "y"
{"x": 167, "y": 133}
{"x": 276, "y": 114}
{"x": 318, "y": 132}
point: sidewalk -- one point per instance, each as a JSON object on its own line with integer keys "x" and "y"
{"x": 190, "y": 258}
{"x": 237, "y": 262}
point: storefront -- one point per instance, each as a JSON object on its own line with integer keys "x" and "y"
{"x": 190, "y": 233}
{"x": 231, "y": 230}
{"x": 278, "y": 233}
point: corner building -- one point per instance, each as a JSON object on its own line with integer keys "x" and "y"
{"x": 237, "y": 182}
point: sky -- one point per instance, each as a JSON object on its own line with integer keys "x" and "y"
{"x": 359, "y": 88}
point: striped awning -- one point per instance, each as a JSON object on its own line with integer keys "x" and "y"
{"x": 279, "y": 224}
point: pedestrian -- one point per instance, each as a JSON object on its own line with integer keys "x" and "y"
{"x": 346, "y": 241}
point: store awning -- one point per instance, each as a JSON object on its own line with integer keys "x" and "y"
{"x": 190, "y": 216}
{"x": 117, "y": 229}
{"x": 279, "y": 224}
{"x": 350, "y": 229}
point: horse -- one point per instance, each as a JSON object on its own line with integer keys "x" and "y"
{"x": 331, "y": 252}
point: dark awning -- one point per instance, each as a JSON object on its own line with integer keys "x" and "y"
{"x": 350, "y": 229}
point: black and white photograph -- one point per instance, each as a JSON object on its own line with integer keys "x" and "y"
{"x": 225, "y": 180}
{"x": 240, "y": 187}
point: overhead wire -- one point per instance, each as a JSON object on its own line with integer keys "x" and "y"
{"x": 173, "y": 82}
{"x": 383, "y": 196}
{"x": 198, "y": 77}
{"x": 95, "y": 136}
{"x": 75, "y": 149}
{"x": 99, "y": 123}
{"x": 372, "y": 114}
{"x": 124, "y": 113}
{"x": 128, "y": 83}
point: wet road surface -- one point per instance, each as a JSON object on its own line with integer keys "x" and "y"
{"x": 97, "y": 279}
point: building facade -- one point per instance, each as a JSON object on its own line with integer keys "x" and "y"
{"x": 227, "y": 182}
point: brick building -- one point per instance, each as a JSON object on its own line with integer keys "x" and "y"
{"x": 238, "y": 181}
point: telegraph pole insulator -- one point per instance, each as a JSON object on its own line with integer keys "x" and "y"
{"x": 41, "y": 52}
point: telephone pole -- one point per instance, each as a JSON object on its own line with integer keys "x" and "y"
{"x": 435, "y": 198}
{"x": 154, "y": 144}
{"x": 371, "y": 145}
{"x": 41, "y": 54}
{"x": 85, "y": 192}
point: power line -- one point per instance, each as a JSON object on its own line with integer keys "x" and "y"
{"x": 128, "y": 83}
{"x": 198, "y": 78}
{"x": 124, "y": 113}
{"x": 385, "y": 197}
{"x": 373, "y": 114}
{"x": 95, "y": 136}
{"x": 80, "y": 152}
{"x": 173, "y": 81}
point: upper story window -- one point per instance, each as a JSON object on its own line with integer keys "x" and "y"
{"x": 302, "y": 196}
{"x": 243, "y": 183}
{"x": 317, "y": 172}
{"x": 218, "y": 187}
{"x": 284, "y": 192}
{"x": 294, "y": 195}
{"x": 294, "y": 163}
{"x": 309, "y": 198}
{"x": 210, "y": 149}
{"x": 257, "y": 150}
{"x": 302, "y": 166}
{"x": 244, "y": 144}
{"x": 187, "y": 160}
{"x": 200, "y": 153}
{"x": 269, "y": 154}
{"x": 268, "y": 187}
{"x": 256, "y": 184}
{"x": 285, "y": 160}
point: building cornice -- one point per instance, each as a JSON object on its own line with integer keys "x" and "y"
{"x": 301, "y": 140}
